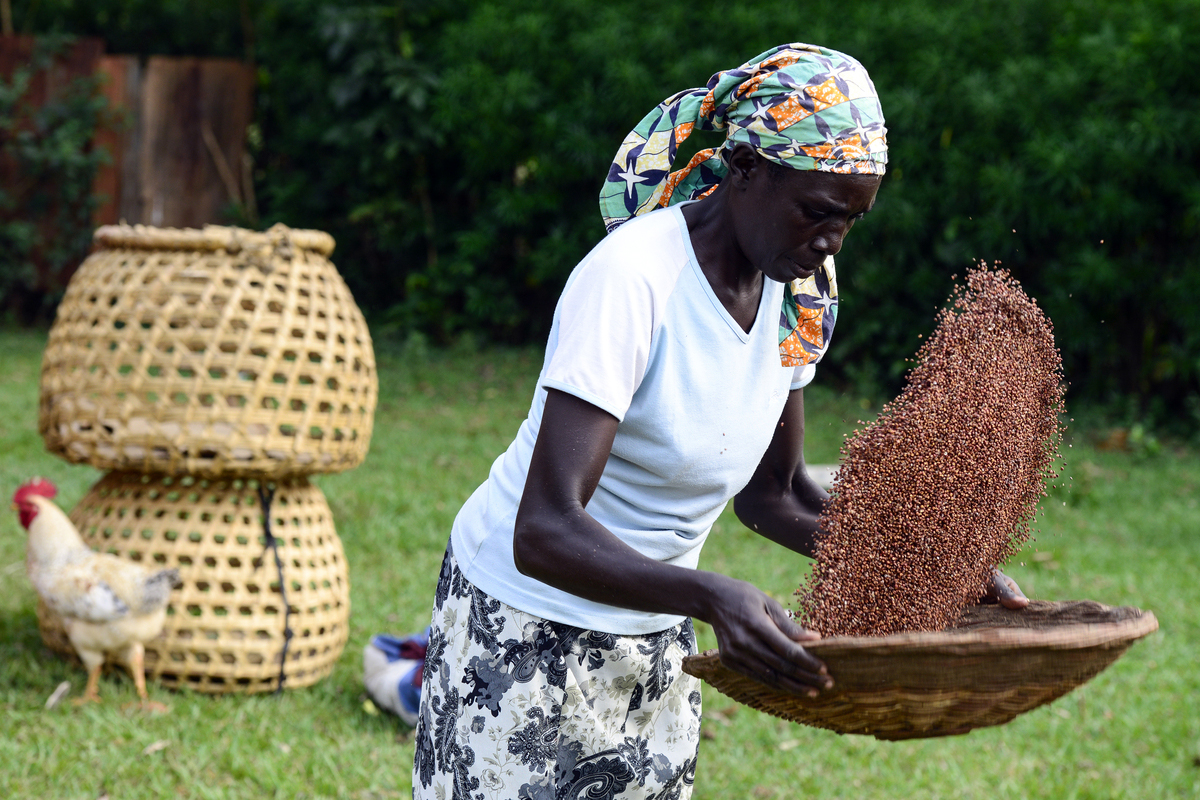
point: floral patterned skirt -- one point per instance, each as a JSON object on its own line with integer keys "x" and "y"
{"x": 516, "y": 706}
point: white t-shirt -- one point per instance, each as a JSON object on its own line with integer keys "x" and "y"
{"x": 639, "y": 332}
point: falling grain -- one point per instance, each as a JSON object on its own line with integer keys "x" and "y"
{"x": 942, "y": 486}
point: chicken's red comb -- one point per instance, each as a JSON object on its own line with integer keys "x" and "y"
{"x": 38, "y": 486}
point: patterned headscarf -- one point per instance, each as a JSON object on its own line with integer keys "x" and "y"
{"x": 800, "y": 105}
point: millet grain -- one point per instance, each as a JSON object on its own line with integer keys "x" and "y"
{"x": 943, "y": 485}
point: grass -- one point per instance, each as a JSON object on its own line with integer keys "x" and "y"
{"x": 1123, "y": 533}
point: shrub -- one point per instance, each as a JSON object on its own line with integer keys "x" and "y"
{"x": 49, "y": 164}
{"x": 456, "y": 152}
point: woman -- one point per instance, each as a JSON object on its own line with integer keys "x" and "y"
{"x": 672, "y": 383}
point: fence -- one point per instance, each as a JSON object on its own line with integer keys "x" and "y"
{"x": 176, "y": 157}
{"x": 180, "y": 161}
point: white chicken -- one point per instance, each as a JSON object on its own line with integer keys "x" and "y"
{"x": 109, "y": 606}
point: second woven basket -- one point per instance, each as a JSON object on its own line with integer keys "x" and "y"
{"x": 228, "y": 626}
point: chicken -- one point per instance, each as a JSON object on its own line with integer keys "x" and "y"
{"x": 109, "y": 606}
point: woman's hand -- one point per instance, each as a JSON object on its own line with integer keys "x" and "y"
{"x": 1004, "y": 590}
{"x": 758, "y": 639}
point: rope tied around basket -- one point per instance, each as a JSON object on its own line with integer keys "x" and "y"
{"x": 270, "y": 541}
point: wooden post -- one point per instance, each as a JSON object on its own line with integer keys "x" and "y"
{"x": 194, "y": 114}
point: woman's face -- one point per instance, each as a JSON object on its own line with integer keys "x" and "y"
{"x": 788, "y": 221}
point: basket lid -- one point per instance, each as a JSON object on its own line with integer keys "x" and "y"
{"x": 213, "y": 238}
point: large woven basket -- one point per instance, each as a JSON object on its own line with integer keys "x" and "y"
{"x": 994, "y": 665}
{"x": 226, "y": 625}
{"x": 211, "y": 352}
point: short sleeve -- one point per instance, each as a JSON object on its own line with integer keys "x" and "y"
{"x": 803, "y": 375}
{"x": 606, "y": 320}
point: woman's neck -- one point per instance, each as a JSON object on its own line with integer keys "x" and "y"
{"x": 734, "y": 280}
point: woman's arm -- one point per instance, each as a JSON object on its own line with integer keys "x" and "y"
{"x": 557, "y": 542}
{"x": 782, "y": 502}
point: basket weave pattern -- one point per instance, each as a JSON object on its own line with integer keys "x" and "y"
{"x": 224, "y": 629}
{"x": 209, "y": 352}
{"x": 212, "y": 371}
{"x": 995, "y": 665}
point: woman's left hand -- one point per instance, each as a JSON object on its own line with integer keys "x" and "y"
{"x": 1004, "y": 590}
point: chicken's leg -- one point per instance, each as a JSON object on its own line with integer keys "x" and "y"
{"x": 137, "y": 667}
{"x": 93, "y": 661}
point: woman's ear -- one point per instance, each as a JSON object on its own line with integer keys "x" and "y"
{"x": 742, "y": 161}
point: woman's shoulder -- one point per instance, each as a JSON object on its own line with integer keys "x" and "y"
{"x": 663, "y": 227}
{"x": 646, "y": 248}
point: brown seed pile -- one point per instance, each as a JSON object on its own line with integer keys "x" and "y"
{"x": 943, "y": 485}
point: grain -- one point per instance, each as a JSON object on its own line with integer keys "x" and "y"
{"x": 944, "y": 484}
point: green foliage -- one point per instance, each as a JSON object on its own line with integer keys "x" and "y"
{"x": 1025, "y": 133}
{"x": 159, "y": 27}
{"x": 46, "y": 202}
{"x": 1061, "y": 143}
{"x": 456, "y": 151}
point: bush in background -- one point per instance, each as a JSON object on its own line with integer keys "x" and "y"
{"x": 48, "y": 164}
{"x": 456, "y": 152}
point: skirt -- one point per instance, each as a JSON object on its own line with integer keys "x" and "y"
{"x": 516, "y": 706}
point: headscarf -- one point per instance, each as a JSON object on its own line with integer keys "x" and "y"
{"x": 800, "y": 105}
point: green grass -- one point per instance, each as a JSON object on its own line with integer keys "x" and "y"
{"x": 1124, "y": 533}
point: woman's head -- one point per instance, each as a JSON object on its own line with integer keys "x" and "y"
{"x": 798, "y": 106}
{"x": 787, "y": 222}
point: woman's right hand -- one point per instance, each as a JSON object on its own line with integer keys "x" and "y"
{"x": 758, "y": 639}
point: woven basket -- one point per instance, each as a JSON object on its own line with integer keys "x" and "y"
{"x": 994, "y": 665}
{"x": 209, "y": 352}
{"x": 225, "y": 629}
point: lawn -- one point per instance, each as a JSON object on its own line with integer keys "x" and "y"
{"x": 1124, "y": 532}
